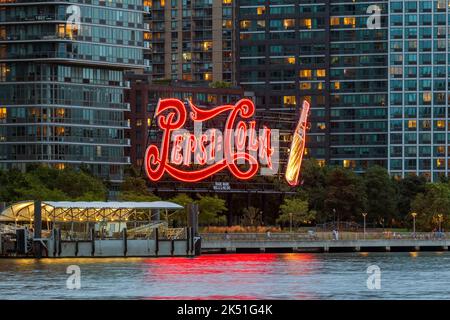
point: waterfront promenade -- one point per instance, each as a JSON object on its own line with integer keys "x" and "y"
{"x": 324, "y": 242}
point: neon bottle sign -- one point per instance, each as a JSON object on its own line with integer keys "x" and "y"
{"x": 297, "y": 147}
{"x": 194, "y": 157}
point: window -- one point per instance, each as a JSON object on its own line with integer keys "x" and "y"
{"x": 321, "y": 72}
{"x": 289, "y": 100}
{"x": 2, "y": 113}
{"x": 306, "y": 73}
{"x": 412, "y": 124}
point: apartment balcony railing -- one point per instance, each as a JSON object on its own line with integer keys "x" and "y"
{"x": 67, "y": 139}
{"x": 68, "y": 55}
{"x": 69, "y": 158}
{"x": 72, "y": 121}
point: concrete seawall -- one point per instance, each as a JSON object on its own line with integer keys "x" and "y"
{"x": 387, "y": 245}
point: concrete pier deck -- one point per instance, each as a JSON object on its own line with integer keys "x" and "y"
{"x": 233, "y": 243}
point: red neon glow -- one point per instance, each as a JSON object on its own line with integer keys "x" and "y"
{"x": 172, "y": 115}
{"x": 297, "y": 147}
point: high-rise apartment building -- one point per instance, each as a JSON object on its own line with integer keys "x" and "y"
{"x": 418, "y": 88}
{"x": 61, "y": 82}
{"x": 190, "y": 40}
{"x": 321, "y": 51}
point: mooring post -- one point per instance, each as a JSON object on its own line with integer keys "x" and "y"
{"x": 92, "y": 241}
{"x": 125, "y": 241}
{"x": 156, "y": 241}
{"x": 37, "y": 229}
{"x": 188, "y": 240}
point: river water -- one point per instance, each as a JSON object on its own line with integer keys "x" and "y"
{"x": 423, "y": 275}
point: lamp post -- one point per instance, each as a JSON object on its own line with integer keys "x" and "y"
{"x": 440, "y": 215}
{"x": 414, "y": 214}
{"x": 334, "y": 217}
{"x": 364, "y": 214}
{"x": 290, "y": 222}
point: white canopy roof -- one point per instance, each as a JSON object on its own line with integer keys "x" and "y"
{"x": 81, "y": 210}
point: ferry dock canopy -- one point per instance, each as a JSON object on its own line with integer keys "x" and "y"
{"x": 61, "y": 211}
{"x": 79, "y": 228}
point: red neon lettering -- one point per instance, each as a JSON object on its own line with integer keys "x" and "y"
{"x": 172, "y": 115}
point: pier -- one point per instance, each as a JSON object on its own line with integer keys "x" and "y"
{"x": 323, "y": 242}
{"x": 93, "y": 229}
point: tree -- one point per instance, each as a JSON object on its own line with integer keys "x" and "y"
{"x": 134, "y": 188}
{"x": 210, "y": 209}
{"x": 251, "y": 217}
{"x": 299, "y": 210}
{"x": 180, "y": 216}
{"x": 381, "y": 194}
{"x": 314, "y": 186}
{"x": 407, "y": 189}
{"x": 345, "y": 192}
{"x": 435, "y": 201}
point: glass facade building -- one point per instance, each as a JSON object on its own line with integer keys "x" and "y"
{"x": 323, "y": 52}
{"x": 61, "y": 82}
{"x": 418, "y": 87}
{"x": 190, "y": 40}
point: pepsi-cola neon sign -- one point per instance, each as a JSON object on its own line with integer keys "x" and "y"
{"x": 191, "y": 157}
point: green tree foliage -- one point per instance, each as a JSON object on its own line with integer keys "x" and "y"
{"x": 134, "y": 188}
{"x": 430, "y": 204}
{"x": 407, "y": 189}
{"x": 299, "y": 210}
{"x": 45, "y": 183}
{"x": 380, "y": 191}
{"x": 211, "y": 209}
{"x": 251, "y": 217}
{"x": 314, "y": 179}
{"x": 179, "y": 218}
{"x": 345, "y": 192}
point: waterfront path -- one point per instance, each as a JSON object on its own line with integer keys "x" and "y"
{"x": 324, "y": 242}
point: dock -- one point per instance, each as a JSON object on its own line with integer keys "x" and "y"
{"x": 355, "y": 242}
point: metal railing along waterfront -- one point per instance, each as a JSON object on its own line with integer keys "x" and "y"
{"x": 324, "y": 236}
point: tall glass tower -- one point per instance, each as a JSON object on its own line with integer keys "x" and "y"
{"x": 418, "y": 80}
{"x": 61, "y": 82}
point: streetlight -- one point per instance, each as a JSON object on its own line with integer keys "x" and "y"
{"x": 364, "y": 214}
{"x": 290, "y": 222}
{"x": 440, "y": 215}
{"x": 414, "y": 214}
{"x": 334, "y": 217}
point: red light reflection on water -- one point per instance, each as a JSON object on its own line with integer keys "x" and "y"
{"x": 228, "y": 276}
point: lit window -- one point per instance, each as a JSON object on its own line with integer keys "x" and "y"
{"x": 2, "y": 113}
{"x": 337, "y": 85}
{"x": 207, "y": 45}
{"x": 306, "y": 73}
{"x": 60, "y": 166}
{"x": 350, "y": 21}
{"x": 346, "y": 163}
{"x": 412, "y": 124}
{"x": 307, "y": 23}
{"x": 227, "y": 1}
{"x": 440, "y": 163}
{"x": 245, "y": 24}
{"x": 261, "y": 10}
{"x": 321, "y": 163}
{"x": 440, "y": 124}
{"x": 288, "y": 23}
{"x": 208, "y": 76}
{"x": 290, "y": 60}
{"x": 320, "y": 86}
{"x": 441, "y": 149}
{"x": 139, "y": 122}
{"x": 334, "y": 21}
{"x": 426, "y": 97}
{"x": 149, "y": 122}
{"x": 289, "y": 100}
{"x": 321, "y": 125}
{"x": 305, "y": 85}
{"x": 321, "y": 72}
